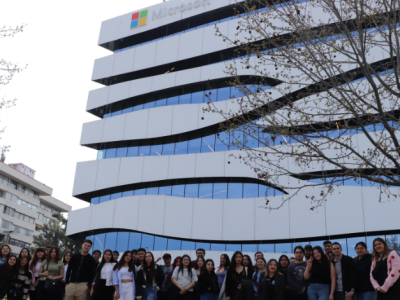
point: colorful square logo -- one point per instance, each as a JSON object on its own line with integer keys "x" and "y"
{"x": 139, "y": 19}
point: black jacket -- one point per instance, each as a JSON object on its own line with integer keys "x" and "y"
{"x": 208, "y": 283}
{"x": 5, "y": 283}
{"x": 348, "y": 273}
{"x": 362, "y": 270}
{"x": 141, "y": 281}
{"x": 81, "y": 268}
{"x": 279, "y": 290}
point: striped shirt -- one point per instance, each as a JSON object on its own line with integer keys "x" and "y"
{"x": 22, "y": 281}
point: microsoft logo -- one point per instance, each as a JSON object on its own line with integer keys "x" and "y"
{"x": 139, "y": 19}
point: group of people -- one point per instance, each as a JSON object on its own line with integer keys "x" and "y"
{"x": 312, "y": 274}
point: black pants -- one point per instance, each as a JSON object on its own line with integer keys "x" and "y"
{"x": 185, "y": 296}
{"x": 39, "y": 289}
{"x": 339, "y": 295}
{"x": 162, "y": 295}
{"x": 298, "y": 296}
{"x": 103, "y": 292}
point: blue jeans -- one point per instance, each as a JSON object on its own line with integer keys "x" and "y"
{"x": 317, "y": 291}
{"x": 150, "y": 293}
{"x": 365, "y": 296}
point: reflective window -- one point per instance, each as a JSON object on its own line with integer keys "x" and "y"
{"x": 207, "y": 144}
{"x": 233, "y": 247}
{"x": 165, "y": 190}
{"x": 135, "y": 239}
{"x": 220, "y": 191}
{"x": 160, "y": 244}
{"x": 122, "y": 152}
{"x": 192, "y": 191}
{"x": 178, "y": 190}
{"x": 266, "y": 248}
{"x": 122, "y": 241}
{"x": 249, "y": 248}
{"x": 205, "y": 246}
{"x": 393, "y": 242}
{"x": 174, "y": 244}
{"x": 250, "y": 190}
{"x": 235, "y": 190}
{"x": 98, "y": 242}
{"x": 188, "y": 245}
{"x": 152, "y": 191}
{"x": 206, "y": 191}
{"x": 147, "y": 242}
{"x": 111, "y": 241}
{"x": 283, "y": 248}
{"x": 217, "y": 247}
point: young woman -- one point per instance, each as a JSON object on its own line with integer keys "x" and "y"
{"x": 184, "y": 278}
{"x": 124, "y": 277}
{"x": 103, "y": 285}
{"x": 37, "y": 287}
{"x": 150, "y": 278}
{"x": 322, "y": 276}
{"x": 235, "y": 276}
{"x": 261, "y": 268}
{"x": 207, "y": 283}
{"x": 363, "y": 289}
{"x": 8, "y": 270}
{"x": 66, "y": 259}
{"x": 199, "y": 266}
{"x": 24, "y": 253}
{"x": 168, "y": 283}
{"x": 5, "y": 254}
{"x": 21, "y": 282}
{"x": 385, "y": 271}
{"x": 283, "y": 264}
{"x": 52, "y": 268}
{"x": 248, "y": 264}
{"x": 272, "y": 285}
{"x": 224, "y": 263}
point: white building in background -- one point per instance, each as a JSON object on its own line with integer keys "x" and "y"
{"x": 162, "y": 180}
{"x": 25, "y": 206}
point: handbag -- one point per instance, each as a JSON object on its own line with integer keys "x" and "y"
{"x": 52, "y": 285}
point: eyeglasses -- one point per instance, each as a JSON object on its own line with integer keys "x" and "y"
{"x": 298, "y": 253}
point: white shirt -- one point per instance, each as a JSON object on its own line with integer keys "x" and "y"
{"x": 125, "y": 274}
{"x": 65, "y": 271}
{"x": 36, "y": 270}
{"x": 183, "y": 279}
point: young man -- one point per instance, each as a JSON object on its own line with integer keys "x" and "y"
{"x": 308, "y": 252}
{"x": 200, "y": 252}
{"x": 327, "y": 247}
{"x": 134, "y": 257}
{"x": 295, "y": 276}
{"x": 166, "y": 268}
{"x": 81, "y": 270}
{"x": 116, "y": 255}
{"x": 345, "y": 274}
{"x": 140, "y": 256}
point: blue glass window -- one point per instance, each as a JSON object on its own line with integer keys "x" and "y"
{"x": 217, "y": 247}
{"x": 95, "y": 201}
{"x": 160, "y": 244}
{"x": 140, "y": 192}
{"x": 144, "y": 150}
{"x": 173, "y": 100}
{"x": 132, "y": 151}
{"x": 206, "y": 191}
{"x": 393, "y": 242}
{"x": 233, "y": 247}
{"x": 127, "y": 110}
{"x": 207, "y": 143}
{"x": 178, "y": 190}
{"x": 198, "y": 97}
{"x": 101, "y": 154}
{"x": 220, "y": 191}
{"x": 111, "y": 241}
{"x": 98, "y": 242}
{"x": 188, "y": 245}
{"x": 250, "y": 190}
{"x": 104, "y": 198}
{"x": 127, "y": 194}
{"x": 147, "y": 242}
{"x": 249, "y": 248}
{"x": 156, "y": 150}
{"x": 262, "y": 191}
{"x": 111, "y": 153}
{"x": 168, "y": 149}
{"x": 149, "y": 105}
{"x": 185, "y": 99}
{"x": 251, "y": 140}
{"x": 121, "y": 152}
{"x": 210, "y": 96}
{"x": 181, "y": 148}
{"x": 224, "y": 93}
{"x": 161, "y": 102}
{"x": 205, "y": 246}
{"x": 192, "y": 191}
{"x": 152, "y": 191}
{"x": 135, "y": 240}
{"x": 122, "y": 241}
{"x": 266, "y": 248}
{"x": 116, "y": 113}
{"x": 116, "y": 196}
{"x": 174, "y": 244}
{"x": 165, "y": 190}
{"x": 317, "y": 243}
{"x": 222, "y": 142}
{"x": 194, "y": 146}
{"x": 138, "y": 107}
{"x": 283, "y": 248}
{"x": 235, "y": 190}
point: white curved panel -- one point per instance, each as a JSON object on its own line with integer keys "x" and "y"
{"x": 151, "y": 214}
{"x": 103, "y": 67}
{"x": 167, "y": 50}
{"x": 210, "y": 164}
{"x": 182, "y": 209}
{"x": 207, "y": 221}
{"x": 184, "y": 117}
{"x": 136, "y": 125}
{"x": 127, "y": 212}
{"x": 156, "y": 168}
{"x": 193, "y": 40}
{"x": 239, "y": 222}
{"x": 103, "y": 215}
{"x": 123, "y": 61}
{"x": 160, "y": 121}
{"x": 107, "y": 173}
{"x": 148, "y": 51}
{"x": 97, "y": 98}
{"x": 85, "y": 177}
{"x": 113, "y": 129}
{"x": 131, "y": 170}
{"x": 92, "y": 132}
{"x": 119, "y": 92}
{"x": 184, "y": 165}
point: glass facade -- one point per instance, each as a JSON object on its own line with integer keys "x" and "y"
{"x": 185, "y": 96}
{"x": 122, "y": 241}
{"x": 199, "y": 190}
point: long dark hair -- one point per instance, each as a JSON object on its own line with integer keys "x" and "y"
{"x": 387, "y": 250}
{"x": 121, "y": 263}
{"x": 228, "y": 261}
{"x": 26, "y": 268}
{"x": 56, "y": 259}
{"x": 325, "y": 263}
{"x": 63, "y": 260}
{"x": 100, "y": 267}
{"x": 205, "y": 267}
{"x": 250, "y": 268}
{"x": 189, "y": 268}
{"x": 232, "y": 265}
{"x": 196, "y": 266}
{"x": 280, "y": 268}
{"x": 35, "y": 258}
{"x": 7, "y": 270}
{"x": 9, "y": 252}
{"x": 149, "y": 271}
{"x": 29, "y": 254}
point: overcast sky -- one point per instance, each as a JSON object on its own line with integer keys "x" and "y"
{"x": 60, "y": 46}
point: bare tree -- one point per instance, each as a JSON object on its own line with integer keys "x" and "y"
{"x": 334, "y": 116}
{"x": 8, "y": 70}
